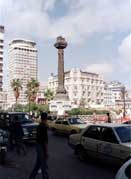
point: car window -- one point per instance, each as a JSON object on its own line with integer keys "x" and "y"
{"x": 92, "y": 132}
{"x": 76, "y": 121}
{"x": 58, "y": 122}
{"x": 108, "y": 135}
{"x": 128, "y": 171}
{"x": 65, "y": 123}
{"x": 124, "y": 133}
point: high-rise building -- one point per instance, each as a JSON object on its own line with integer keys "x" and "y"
{"x": 1, "y": 55}
{"x": 82, "y": 87}
{"x": 23, "y": 65}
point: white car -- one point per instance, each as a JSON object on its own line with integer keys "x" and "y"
{"x": 106, "y": 142}
{"x": 125, "y": 171}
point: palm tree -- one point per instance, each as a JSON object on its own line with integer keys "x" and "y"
{"x": 16, "y": 86}
{"x": 32, "y": 90}
{"x": 49, "y": 95}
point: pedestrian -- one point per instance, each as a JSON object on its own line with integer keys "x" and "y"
{"x": 18, "y": 136}
{"x": 11, "y": 135}
{"x": 41, "y": 149}
{"x": 108, "y": 118}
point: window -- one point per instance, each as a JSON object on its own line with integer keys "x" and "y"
{"x": 92, "y": 132}
{"x": 124, "y": 133}
{"x": 65, "y": 123}
{"x": 58, "y": 122}
{"x": 108, "y": 135}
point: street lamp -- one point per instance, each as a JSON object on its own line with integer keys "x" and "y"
{"x": 123, "y": 93}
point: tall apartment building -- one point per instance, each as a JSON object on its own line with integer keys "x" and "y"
{"x": 23, "y": 65}
{"x": 81, "y": 86}
{"x": 1, "y": 55}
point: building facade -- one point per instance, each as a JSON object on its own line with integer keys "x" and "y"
{"x": 109, "y": 97}
{"x": 83, "y": 88}
{"x": 116, "y": 88}
{"x": 1, "y": 55}
{"x": 41, "y": 99}
{"x": 23, "y": 65}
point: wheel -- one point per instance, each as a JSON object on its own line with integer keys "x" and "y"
{"x": 81, "y": 153}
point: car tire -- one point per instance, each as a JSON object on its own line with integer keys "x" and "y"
{"x": 81, "y": 153}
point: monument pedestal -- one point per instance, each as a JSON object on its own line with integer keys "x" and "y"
{"x": 60, "y": 106}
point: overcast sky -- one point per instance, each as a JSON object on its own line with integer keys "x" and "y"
{"x": 98, "y": 33}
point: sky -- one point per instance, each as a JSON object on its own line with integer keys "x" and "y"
{"x": 98, "y": 33}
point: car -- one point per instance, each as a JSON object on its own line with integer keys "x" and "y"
{"x": 127, "y": 122}
{"x": 29, "y": 127}
{"x": 125, "y": 171}
{"x": 106, "y": 142}
{"x": 68, "y": 126}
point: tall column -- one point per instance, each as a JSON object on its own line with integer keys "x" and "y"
{"x": 61, "y": 93}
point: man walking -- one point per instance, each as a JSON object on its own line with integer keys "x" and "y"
{"x": 108, "y": 118}
{"x": 41, "y": 149}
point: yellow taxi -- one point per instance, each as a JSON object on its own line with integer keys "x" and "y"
{"x": 107, "y": 142}
{"x": 67, "y": 126}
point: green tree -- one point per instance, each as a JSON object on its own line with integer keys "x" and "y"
{"x": 48, "y": 95}
{"x": 16, "y": 85}
{"x": 32, "y": 90}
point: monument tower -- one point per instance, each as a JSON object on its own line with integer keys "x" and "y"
{"x": 61, "y": 93}
{"x": 61, "y": 102}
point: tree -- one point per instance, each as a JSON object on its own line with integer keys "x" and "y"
{"x": 48, "y": 95}
{"x": 17, "y": 87}
{"x": 32, "y": 90}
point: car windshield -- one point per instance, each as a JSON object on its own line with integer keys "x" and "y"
{"x": 76, "y": 121}
{"x": 124, "y": 133}
{"x": 24, "y": 118}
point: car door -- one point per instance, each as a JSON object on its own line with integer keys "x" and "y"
{"x": 110, "y": 148}
{"x": 58, "y": 126}
{"x": 65, "y": 127}
{"x": 90, "y": 140}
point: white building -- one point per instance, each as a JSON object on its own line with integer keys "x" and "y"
{"x": 23, "y": 65}
{"x": 116, "y": 88}
{"x": 109, "y": 97}
{"x": 1, "y": 55}
{"x": 82, "y": 87}
{"x": 41, "y": 99}
{"x": 3, "y": 100}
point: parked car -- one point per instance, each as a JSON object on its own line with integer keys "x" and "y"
{"x": 127, "y": 122}
{"x": 125, "y": 171}
{"x": 107, "y": 142}
{"x": 68, "y": 126}
{"x": 3, "y": 145}
{"x": 29, "y": 127}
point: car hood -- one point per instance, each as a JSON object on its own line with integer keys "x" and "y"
{"x": 81, "y": 126}
{"x": 128, "y": 144}
{"x": 30, "y": 125}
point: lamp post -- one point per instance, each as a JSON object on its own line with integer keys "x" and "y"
{"x": 123, "y": 93}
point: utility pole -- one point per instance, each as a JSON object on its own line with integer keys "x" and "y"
{"x": 123, "y": 93}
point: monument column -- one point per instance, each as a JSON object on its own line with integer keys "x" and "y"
{"x": 61, "y": 93}
{"x": 61, "y": 102}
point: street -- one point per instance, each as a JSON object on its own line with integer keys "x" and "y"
{"x": 63, "y": 164}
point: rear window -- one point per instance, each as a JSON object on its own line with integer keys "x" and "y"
{"x": 124, "y": 133}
